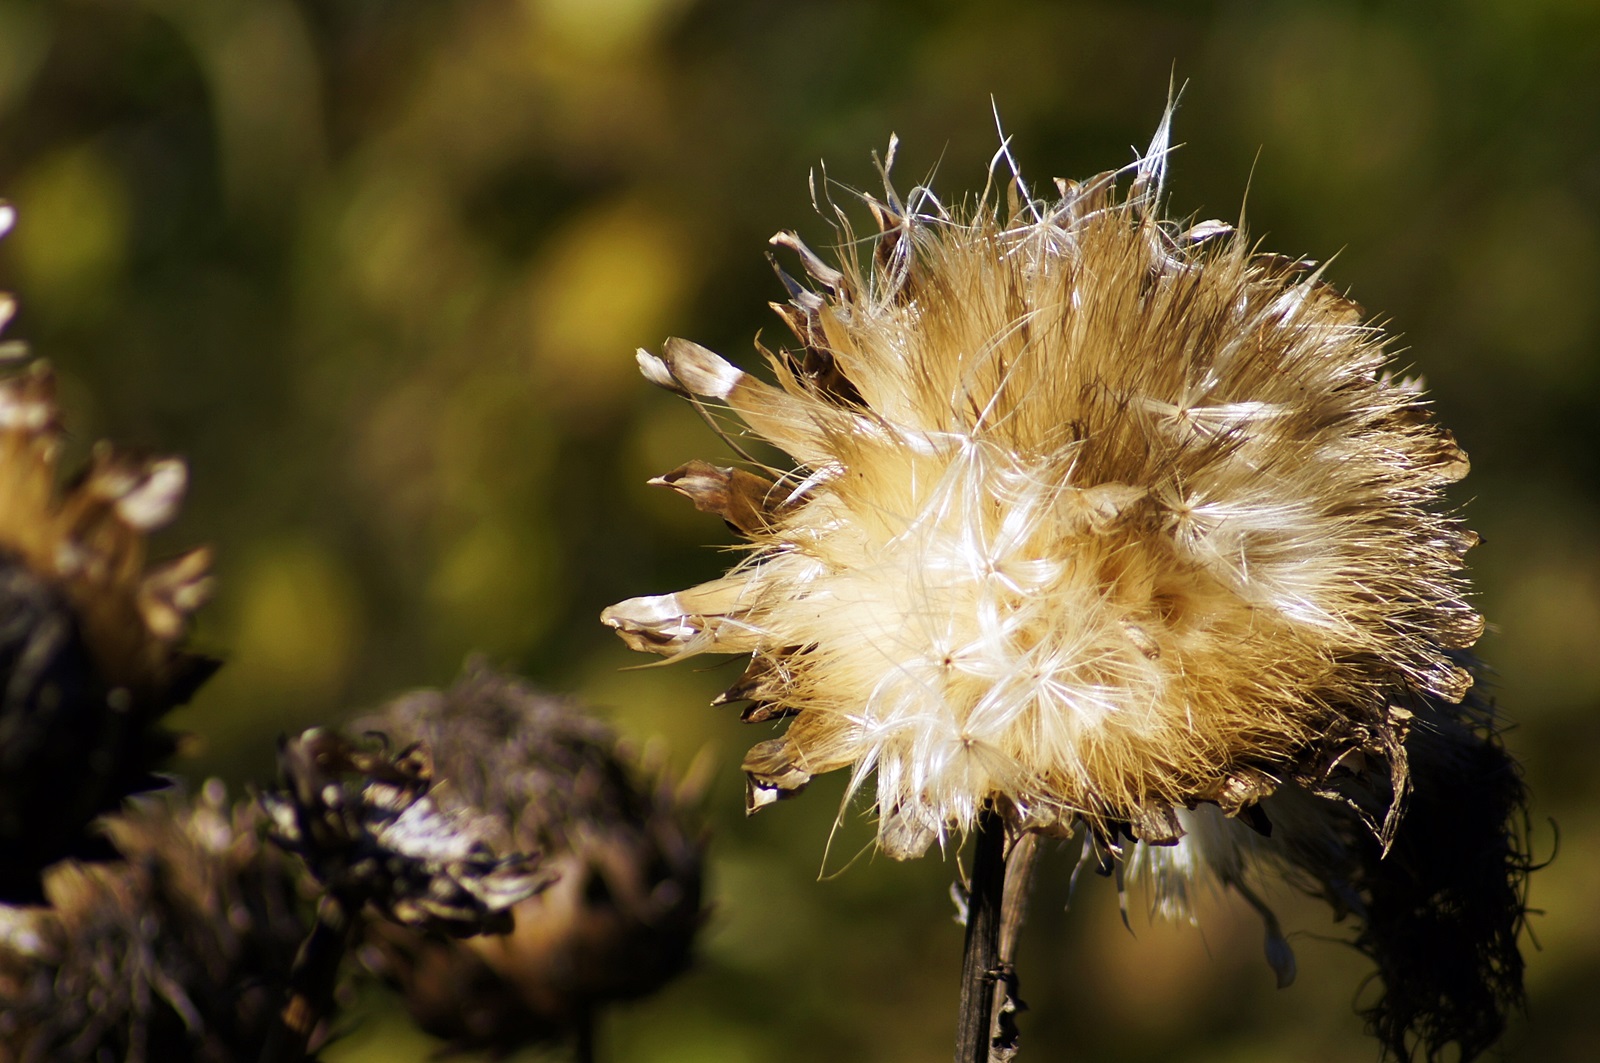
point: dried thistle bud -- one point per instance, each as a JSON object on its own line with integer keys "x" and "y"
{"x": 179, "y": 951}
{"x": 91, "y": 639}
{"x": 1095, "y": 518}
{"x": 373, "y": 829}
{"x": 622, "y": 915}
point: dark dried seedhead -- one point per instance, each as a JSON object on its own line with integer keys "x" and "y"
{"x": 628, "y": 849}
{"x": 91, "y": 639}
{"x": 1441, "y": 909}
{"x": 179, "y": 951}
{"x": 373, "y": 829}
{"x": 1446, "y": 908}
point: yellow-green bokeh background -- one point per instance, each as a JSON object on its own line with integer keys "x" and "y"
{"x": 378, "y": 267}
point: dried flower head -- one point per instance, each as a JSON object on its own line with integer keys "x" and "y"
{"x": 181, "y": 950}
{"x": 373, "y": 829}
{"x": 623, "y": 913}
{"x": 91, "y": 640}
{"x": 1099, "y": 518}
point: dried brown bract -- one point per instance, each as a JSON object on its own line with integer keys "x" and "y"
{"x": 622, "y": 915}
{"x": 178, "y": 951}
{"x": 91, "y": 638}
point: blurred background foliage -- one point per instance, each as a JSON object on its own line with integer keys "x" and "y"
{"x": 378, "y": 267}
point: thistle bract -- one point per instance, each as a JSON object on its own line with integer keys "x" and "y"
{"x": 181, "y": 949}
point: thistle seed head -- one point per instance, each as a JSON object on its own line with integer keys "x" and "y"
{"x": 1093, "y": 515}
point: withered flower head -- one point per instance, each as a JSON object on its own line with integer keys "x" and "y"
{"x": 179, "y": 951}
{"x": 373, "y": 829}
{"x": 622, "y": 915}
{"x": 1097, "y": 518}
{"x": 91, "y": 652}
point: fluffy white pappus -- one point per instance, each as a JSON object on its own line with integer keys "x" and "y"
{"x": 1095, "y": 517}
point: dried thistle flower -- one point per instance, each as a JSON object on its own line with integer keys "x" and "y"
{"x": 1440, "y": 906}
{"x": 91, "y": 640}
{"x": 1443, "y": 911}
{"x": 1099, "y": 518}
{"x": 1095, "y": 514}
{"x": 181, "y": 950}
{"x": 622, "y": 915}
{"x": 373, "y": 829}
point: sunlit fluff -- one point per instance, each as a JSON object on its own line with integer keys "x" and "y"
{"x": 1093, "y": 515}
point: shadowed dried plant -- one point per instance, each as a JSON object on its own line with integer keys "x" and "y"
{"x": 1099, "y": 519}
{"x": 191, "y": 941}
{"x": 624, "y": 845}
{"x": 91, "y": 639}
{"x": 179, "y": 950}
{"x": 196, "y": 940}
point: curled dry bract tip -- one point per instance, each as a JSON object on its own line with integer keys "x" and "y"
{"x": 374, "y": 830}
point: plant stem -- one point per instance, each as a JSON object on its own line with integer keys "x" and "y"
{"x": 311, "y": 983}
{"x": 980, "y": 963}
{"x": 1013, "y": 910}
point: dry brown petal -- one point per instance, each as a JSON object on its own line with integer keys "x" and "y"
{"x": 742, "y": 499}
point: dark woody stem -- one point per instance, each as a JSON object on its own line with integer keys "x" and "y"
{"x": 1013, "y": 910}
{"x": 980, "y": 964}
{"x": 584, "y": 1051}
